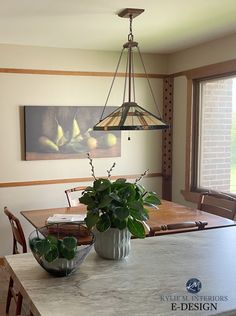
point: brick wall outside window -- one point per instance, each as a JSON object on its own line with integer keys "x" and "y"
{"x": 215, "y": 134}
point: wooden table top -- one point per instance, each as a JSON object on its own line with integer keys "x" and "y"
{"x": 150, "y": 281}
{"x": 168, "y": 213}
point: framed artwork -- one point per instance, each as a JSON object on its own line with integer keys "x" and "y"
{"x": 65, "y": 132}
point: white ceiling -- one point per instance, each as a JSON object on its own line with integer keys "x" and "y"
{"x": 166, "y": 25}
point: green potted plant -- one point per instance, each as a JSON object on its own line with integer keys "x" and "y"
{"x": 115, "y": 210}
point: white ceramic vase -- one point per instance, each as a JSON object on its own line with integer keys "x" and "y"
{"x": 113, "y": 243}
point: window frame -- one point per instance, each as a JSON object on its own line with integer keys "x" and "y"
{"x": 225, "y": 69}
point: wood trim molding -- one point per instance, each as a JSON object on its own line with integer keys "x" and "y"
{"x": 199, "y": 72}
{"x": 74, "y": 73}
{"x": 71, "y": 180}
{"x": 209, "y": 70}
{"x": 188, "y": 134}
{"x": 191, "y": 196}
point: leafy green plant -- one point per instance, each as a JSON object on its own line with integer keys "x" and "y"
{"x": 117, "y": 204}
{"x": 51, "y": 248}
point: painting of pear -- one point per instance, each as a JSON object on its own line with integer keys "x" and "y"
{"x": 108, "y": 140}
{"x": 66, "y": 132}
{"x": 60, "y": 139}
{"x": 75, "y": 128}
{"x": 91, "y": 142}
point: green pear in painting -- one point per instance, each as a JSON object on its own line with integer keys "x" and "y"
{"x": 61, "y": 132}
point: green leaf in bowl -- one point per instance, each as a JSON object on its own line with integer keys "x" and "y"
{"x": 52, "y": 239}
{"x": 52, "y": 254}
{"x": 42, "y": 246}
{"x": 68, "y": 253}
{"x": 69, "y": 242}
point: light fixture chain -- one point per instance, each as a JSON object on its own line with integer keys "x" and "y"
{"x": 112, "y": 83}
{"x": 149, "y": 84}
{"x": 130, "y": 35}
{"x": 130, "y": 23}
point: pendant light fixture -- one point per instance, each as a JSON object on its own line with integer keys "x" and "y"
{"x": 130, "y": 116}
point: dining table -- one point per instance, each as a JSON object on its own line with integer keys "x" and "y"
{"x": 193, "y": 274}
{"x": 166, "y": 213}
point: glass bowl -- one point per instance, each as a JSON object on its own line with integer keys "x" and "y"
{"x": 61, "y": 248}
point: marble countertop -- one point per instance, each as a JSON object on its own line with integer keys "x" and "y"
{"x": 149, "y": 281}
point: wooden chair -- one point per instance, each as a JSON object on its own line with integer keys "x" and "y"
{"x": 18, "y": 241}
{"x": 199, "y": 225}
{"x": 217, "y": 203}
{"x": 72, "y": 200}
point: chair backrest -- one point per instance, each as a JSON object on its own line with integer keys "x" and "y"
{"x": 73, "y": 199}
{"x": 17, "y": 232}
{"x": 175, "y": 226}
{"x": 218, "y": 203}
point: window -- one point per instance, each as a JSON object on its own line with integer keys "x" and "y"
{"x": 214, "y": 135}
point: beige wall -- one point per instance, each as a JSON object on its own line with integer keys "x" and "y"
{"x": 142, "y": 152}
{"x": 15, "y": 56}
{"x": 209, "y": 53}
